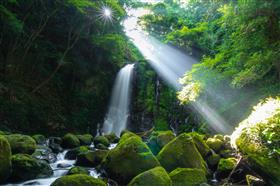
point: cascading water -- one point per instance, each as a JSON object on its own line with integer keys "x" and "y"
{"x": 117, "y": 116}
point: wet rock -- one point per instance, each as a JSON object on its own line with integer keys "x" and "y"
{"x": 130, "y": 158}
{"x": 254, "y": 181}
{"x": 70, "y": 141}
{"x": 21, "y": 143}
{"x": 215, "y": 144}
{"x": 73, "y": 153}
{"x": 181, "y": 152}
{"x": 5, "y": 159}
{"x": 55, "y": 144}
{"x": 78, "y": 170}
{"x": 155, "y": 177}
{"x": 78, "y": 180}
{"x": 91, "y": 158}
{"x": 101, "y": 147}
{"x": 44, "y": 153}
{"x": 63, "y": 165}
{"x": 39, "y": 138}
{"x": 25, "y": 167}
{"x": 101, "y": 140}
{"x": 112, "y": 137}
{"x": 85, "y": 139}
{"x": 187, "y": 177}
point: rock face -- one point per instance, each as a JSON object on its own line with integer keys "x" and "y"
{"x": 181, "y": 152}
{"x": 130, "y": 158}
{"x": 91, "y": 158}
{"x": 70, "y": 141}
{"x": 187, "y": 177}
{"x": 85, "y": 139}
{"x": 21, "y": 143}
{"x": 154, "y": 177}
{"x": 25, "y": 167}
{"x": 159, "y": 139}
{"x": 5, "y": 159}
{"x": 78, "y": 180}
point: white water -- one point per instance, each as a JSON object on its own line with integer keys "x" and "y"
{"x": 117, "y": 116}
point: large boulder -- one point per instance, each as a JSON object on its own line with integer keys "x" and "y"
{"x": 130, "y": 158}
{"x": 187, "y": 177}
{"x": 101, "y": 140}
{"x": 70, "y": 141}
{"x": 78, "y": 180}
{"x": 91, "y": 158}
{"x": 159, "y": 139}
{"x": 5, "y": 159}
{"x": 181, "y": 152}
{"x": 25, "y": 167}
{"x": 21, "y": 143}
{"x": 112, "y": 137}
{"x": 200, "y": 144}
{"x": 155, "y": 177}
{"x": 73, "y": 153}
{"x": 85, "y": 139}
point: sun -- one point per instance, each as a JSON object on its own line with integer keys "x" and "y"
{"x": 106, "y": 14}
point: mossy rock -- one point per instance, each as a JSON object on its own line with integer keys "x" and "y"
{"x": 85, "y": 139}
{"x": 187, "y": 177}
{"x": 181, "y": 152}
{"x": 159, "y": 139}
{"x": 127, "y": 134}
{"x": 5, "y": 159}
{"x": 78, "y": 170}
{"x": 73, "y": 153}
{"x": 254, "y": 181}
{"x": 130, "y": 158}
{"x": 101, "y": 147}
{"x": 25, "y": 167}
{"x": 101, "y": 140}
{"x": 39, "y": 138}
{"x": 112, "y": 137}
{"x": 213, "y": 160}
{"x": 78, "y": 180}
{"x": 215, "y": 144}
{"x": 70, "y": 141}
{"x": 200, "y": 144}
{"x": 21, "y": 144}
{"x": 91, "y": 158}
{"x": 155, "y": 177}
{"x": 225, "y": 166}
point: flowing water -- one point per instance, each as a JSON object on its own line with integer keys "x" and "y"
{"x": 117, "y": 116}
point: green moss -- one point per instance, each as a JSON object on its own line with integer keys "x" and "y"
{"x": 215, "y": 144}
{"x": 39, "y": 138}
{"x": 159, "y": 139}
{"x": 85, "y": 139}
{"x": 200, "y": 144}
{"x": 5, "y": 159}
{"x": 70, "y": 141}
{"x": 25, "y": 167}
{"x": 73, "y": 153}
{"x": 213, "y": 159}
{"x": 181, "y": 152}
{"x": 78, "y": 170}
{"x": 127, "y": 134}
{"x": 226, "y": 165}
{"x": 21, "y": 143}
{"x": 113, "y": 138}
{"x": 78, "y": 180}
{"x": 130, "y": 158}
{"x": 155, "y": 177}
{"x": 101, "y": 140}
{"x": 187, "y": 177}
{"x": 91, "y": 158}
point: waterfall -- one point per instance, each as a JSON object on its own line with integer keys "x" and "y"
{"x": 118, "y": 113}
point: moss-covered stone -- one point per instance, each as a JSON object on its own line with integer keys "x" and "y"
{"x": 91, "y": 158}
{"x": 78, "y": 180}
{"x": 200, "y": 144}
{"x": 101, "y": 140}
{"x": 254, "y": 181}
{"x": 181, "y": 152}
{"x": 159, "y": 139}
{"x": 215, "y": 144}
{"x": 101, "y": 147}
{"x": 130, "y": 158}
{"x": 213, "y": 160}
{"x": 25, "y": 167}
{"x": 112, "y": 137}
{"x": 5, "y": 159}
{"x": 225, "y": 166}
{"x": 127, "y": 134}
{"x": 78, "y": 170}
{"x": 73, "y": 153}
{"x": 70, "y": 141}
{"x": 39, "y": 138}
{"x": 85, "y": 139}
{"x": 187, "y": 177}
{"x": 154, "y": 177}
{"x": 21, "y": 143}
